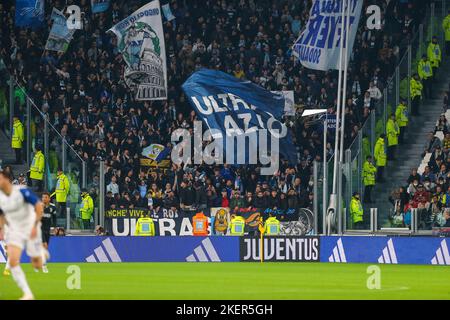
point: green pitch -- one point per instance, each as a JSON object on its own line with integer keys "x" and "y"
{"x": 234, "y": 281}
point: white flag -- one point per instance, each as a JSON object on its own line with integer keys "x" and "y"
{"x": 140, "y": 39}
{"x": 60, "y": 36}
{"x": 318, "y": 45}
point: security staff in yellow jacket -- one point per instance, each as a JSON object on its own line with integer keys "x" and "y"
{"x": 369, "y": 172}
{"x": 392, "y": 132}
{"x": 401, "y": 114}
{"x": 380, "y": 157}
{"x": 272, "y": 226}
{"x": 425, "y": 71}
{"x": 356, "y": 211}
{"x": 86, "y": 208}
{"x": 434, "y": 54}
{"x": 446, "y": 27}
{"x": 61, "y": 191}
{"x": 416, "y": 88}
{"x": 37, "y": 170}
{"x": 145, "y": 227}
{"x": 17, "y": 139}
{"x": 237, "y": 226}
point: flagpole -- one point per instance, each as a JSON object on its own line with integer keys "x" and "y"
{"x": 333, "y": 197}
{"x": 344, "y": 102}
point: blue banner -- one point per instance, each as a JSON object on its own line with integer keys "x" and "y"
{"x": 331, "y": 124}
{"x": 385, "y": 250}
{"x": 143, "y": 249}
{"x": 235, "y": 107}
{"x": 29, "y": 13}
{"x": 352, "y": 249}
{"x": 98, "y": 6}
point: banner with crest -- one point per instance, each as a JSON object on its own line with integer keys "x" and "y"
{"x": 140, "y": 39}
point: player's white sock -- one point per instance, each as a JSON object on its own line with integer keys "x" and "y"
{"x": 7, "y": 266}
{"x": 19, "y": 277}
{"x": 43, "y": 257}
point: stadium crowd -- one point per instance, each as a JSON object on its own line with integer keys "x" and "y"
{"x": 84, "y": 93}
{"x": 429, "y": 192}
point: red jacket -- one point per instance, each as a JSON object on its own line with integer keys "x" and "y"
{"x": 421, "y": 197}
{"x": 225, "y": 202}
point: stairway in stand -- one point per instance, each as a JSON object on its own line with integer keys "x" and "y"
{"x": 409, "y": 154}
{"x": 8, "y": 156}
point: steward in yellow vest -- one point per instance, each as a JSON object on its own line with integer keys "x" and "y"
{"x": 392, "y": 131}
{"x": 145, "y": 227}
{"x": 434, "y": 54}
{"x": 401, "y": 114}
{"x": 62, "y": 187}
{"x": 17, "y": 138}
{"x": 380, "y": 157}
{"x": 356, "y": 211}
{"x": 86, "y": 208}
{"x": 272, "y": 226}
{"x": 416, "y": 88}
{"x": 61, "y": 191}
{"x": 17, "y": 134}
{"x": 369, "y": 172}
{"x": 237, "y": 226}
{"x": 446, "y": 27}
{"x": 425, "y": 71}
{"x": 37, "y": 170}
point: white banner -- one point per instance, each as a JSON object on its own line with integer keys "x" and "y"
{"x": 289, "y": 103}
{"x": 140, "y": 39}
{"x": 318, "y": 46}
{"x": 60, "y": 36}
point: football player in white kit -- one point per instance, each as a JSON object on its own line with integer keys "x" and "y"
{"x": 22, "y": 212}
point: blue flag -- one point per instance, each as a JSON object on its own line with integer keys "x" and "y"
{"x": 225, "y": 103}
{"x": 98, "y": 6}
{"x": 29, "y": 13}
{"x": 331, "y": 121}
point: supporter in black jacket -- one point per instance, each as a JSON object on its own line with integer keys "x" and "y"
{"x": 187, "y": 195}
{"x": 292, "y": 199}
{"x": 170, "y": 201}
{"x": 283, "y": 202}
{"x": 260, "y": 201}
{"x": 249, "y": 199}
{"x": 274, "y": 199}
{"x": 110, "y": 201}
{"x": 201, "y": 198}
{"x": 139, "y": 202}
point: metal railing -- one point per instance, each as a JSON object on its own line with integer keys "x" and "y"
{"x": 57, "y": 149}
{"x": 396, "y": 87}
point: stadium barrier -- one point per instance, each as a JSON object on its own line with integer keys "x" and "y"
{"x": 122, "y": 222}
{"x": 351, "y": 249}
